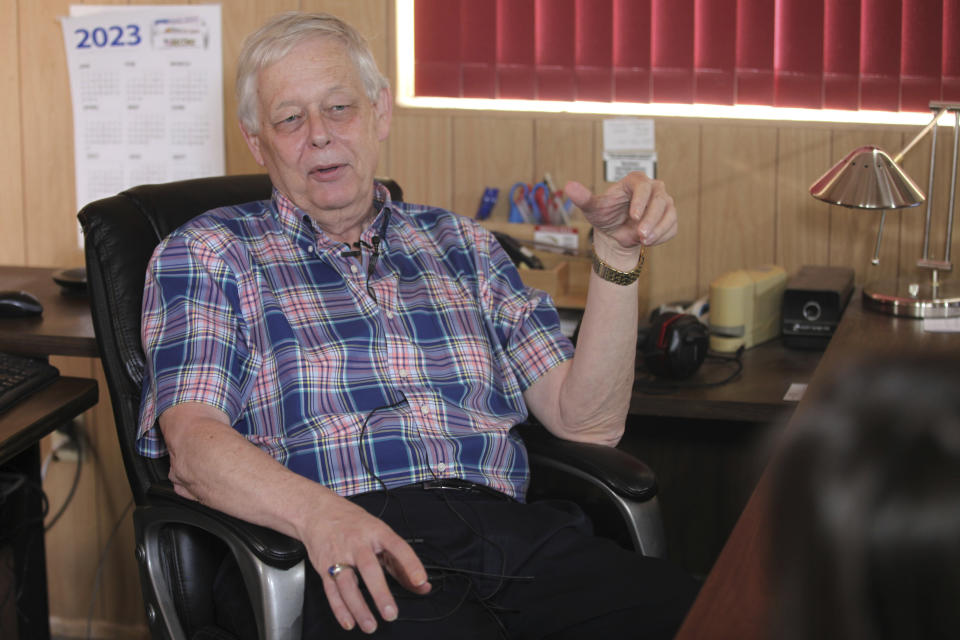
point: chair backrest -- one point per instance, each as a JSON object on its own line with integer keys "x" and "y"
{"x": 120, "y": 234}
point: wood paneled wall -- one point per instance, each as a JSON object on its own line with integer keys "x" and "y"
{"x": 740, "y": 188}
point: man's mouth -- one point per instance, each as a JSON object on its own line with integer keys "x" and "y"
{"x": 325, "y": 171}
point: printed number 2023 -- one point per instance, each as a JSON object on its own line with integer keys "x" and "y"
{"x": 112, "y": 36}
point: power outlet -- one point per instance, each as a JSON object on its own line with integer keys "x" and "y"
{"x": 68, "y": 446}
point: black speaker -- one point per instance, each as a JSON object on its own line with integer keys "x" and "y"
{"x": 674, "y": 345}
{"x": 813, "y": 304}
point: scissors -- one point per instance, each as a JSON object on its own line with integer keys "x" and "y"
{"x": 540, "y": 195}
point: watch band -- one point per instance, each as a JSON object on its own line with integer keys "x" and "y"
{"x": 616, "y": 276}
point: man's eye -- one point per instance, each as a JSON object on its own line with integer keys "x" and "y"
{"x": 289, "y": 119}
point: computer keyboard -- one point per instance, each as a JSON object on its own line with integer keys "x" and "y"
{"x": 20, "y": 376}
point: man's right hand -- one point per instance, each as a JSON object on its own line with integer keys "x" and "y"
{"x": 212, "y": 463}
{"x": 345, "y": 534}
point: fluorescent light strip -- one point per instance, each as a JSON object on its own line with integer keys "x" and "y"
{"x": 405, "y": 98}
{"x": 404, "y": 88}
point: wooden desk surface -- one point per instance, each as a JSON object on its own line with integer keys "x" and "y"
{"x": 756, "y": 395}
{"x": 26, "y": 422}
{"x": 64, "y": 329}
{"x": 736, "y": 599}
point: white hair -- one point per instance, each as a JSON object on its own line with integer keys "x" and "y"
{"x": 278, "y": 37}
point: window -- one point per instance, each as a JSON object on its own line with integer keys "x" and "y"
{"x": 848, "y": 55}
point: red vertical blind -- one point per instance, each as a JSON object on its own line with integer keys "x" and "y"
{"x": 950, "y": 75}
{"x": 715, "y": 51}
{"x": 892, "y": 55}
{"x": 631, "y": 50}
{"x": 754, "y": 62}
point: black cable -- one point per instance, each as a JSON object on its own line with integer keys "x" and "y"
{"x": 10, "y": 483}
{"x": 363, "y": 453}
{"x": 471, "y": 587}
{"x": 10, "y": 570}
{"x": 661, "y": 386}
{"x": 377, "y": 239}
{"x": 374, "y": 248}
{"x": 103, "y": 555}
{"x": 73, "y": 487}
{"x": 17, "y": 482}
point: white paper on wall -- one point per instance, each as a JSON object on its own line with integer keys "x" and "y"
{"x": 629, "y": 144}
{"x": 146, "y": 84}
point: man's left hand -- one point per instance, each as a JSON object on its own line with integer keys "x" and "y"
{"x": 637, "y": 211}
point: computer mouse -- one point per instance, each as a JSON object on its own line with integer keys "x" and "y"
{"x": 18, "y": 304}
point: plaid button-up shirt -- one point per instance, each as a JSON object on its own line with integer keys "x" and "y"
{"x": 254, "y": 310}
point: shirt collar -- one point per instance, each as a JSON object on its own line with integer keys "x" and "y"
{"x": 301, "y": 228}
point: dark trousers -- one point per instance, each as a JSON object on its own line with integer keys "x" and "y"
{"x": 499, "y": 569}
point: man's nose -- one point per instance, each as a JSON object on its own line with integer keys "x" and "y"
{"x": 319, "y": 130}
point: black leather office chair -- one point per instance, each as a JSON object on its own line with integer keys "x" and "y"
{"x": 180, "y": 543}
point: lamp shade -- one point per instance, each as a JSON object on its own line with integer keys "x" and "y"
{"x": 867, "y": 178}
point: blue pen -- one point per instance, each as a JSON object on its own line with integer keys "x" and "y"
{"x": 487, "y": 202}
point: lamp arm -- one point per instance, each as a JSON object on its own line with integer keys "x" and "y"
{"x": 917, "y": 138}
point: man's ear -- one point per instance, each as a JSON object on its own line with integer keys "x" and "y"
{"x": 253, "y": 143}
{"x": 383, "y": 108}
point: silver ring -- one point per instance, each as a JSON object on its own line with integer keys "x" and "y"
{"x": 335, "y": 569}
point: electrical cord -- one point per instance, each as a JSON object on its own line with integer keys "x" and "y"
{"x": 13, "y": 482}
{"x": 75, "y": 442}
{"x": 9, "y": 484}
{"x": 445, "y": 570}
{"x": 660, "y": 386}
{"x": 100, "y": 562}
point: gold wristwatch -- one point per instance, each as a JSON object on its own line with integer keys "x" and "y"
{"x": 616, "y": 276}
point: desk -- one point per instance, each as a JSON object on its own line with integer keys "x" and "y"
{"x": 64, "y": 328}
{"x": 756, "y": 395}
{"x": 21, "y": 429}
{"x": 709, "y": 445}
{"x": 736, "y": 600}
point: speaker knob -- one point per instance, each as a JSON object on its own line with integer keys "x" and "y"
{"x": 812, "y": 311}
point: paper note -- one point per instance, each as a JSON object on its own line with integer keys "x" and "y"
{"x": 795, "y": 392}
{"x": 941, "y": 325}
{"x": 629, "y": 144}
{"x": 628, "y": 134}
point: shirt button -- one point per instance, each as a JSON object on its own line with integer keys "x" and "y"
{"x": 389, "y": 315}
{"x": 424, "y": 410}
{"x": 354, "y": 268}
{"x": 310, "y": 249}
{"x": 442, "y": 466}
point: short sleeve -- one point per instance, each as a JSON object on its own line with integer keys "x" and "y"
{"x": 526, "y": 319}
{"x": 194, "y": 337}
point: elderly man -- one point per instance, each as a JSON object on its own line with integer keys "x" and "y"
{"x": 347, "y": 370}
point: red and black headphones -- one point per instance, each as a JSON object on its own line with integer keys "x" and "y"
{"x": 675, "y": 344}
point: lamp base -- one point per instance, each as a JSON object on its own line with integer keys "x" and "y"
{"x": 913, "y": 299}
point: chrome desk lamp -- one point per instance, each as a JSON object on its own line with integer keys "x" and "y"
{"x": 867, "y": 178}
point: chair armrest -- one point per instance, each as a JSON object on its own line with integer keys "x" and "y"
{"x": 621, "y": 472}
{"x": 272, "y": 547}
{"x": 272, "y": 564}
{"x": 617, "y": 491}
